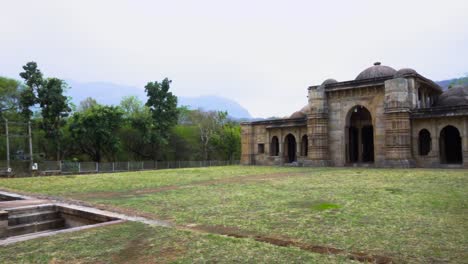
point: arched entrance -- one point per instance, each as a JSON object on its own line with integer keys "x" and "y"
{"x": 290, "y": 142}
{"x": 304, "y": 146}
{"x": 360, "y": 136}
{"x": 450, "y": 146}
{"x": 274, "y": 146}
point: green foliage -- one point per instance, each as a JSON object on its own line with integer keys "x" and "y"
{"x": 54, "y": 108}
{"x": 154, "y": 130}
{"x": 163, "y": 107}
{"x": 86, "y": 104}
{"x": 227, "y": 143}
{"x": 459, "y": 82}
{"x": 10, "y": 90}
{"x": 33, "y": 79}
{"x": 94, "y": 131}
{"x": 136, "y": 131}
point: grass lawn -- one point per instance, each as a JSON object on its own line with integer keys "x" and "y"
{"x": 415, "y": 216}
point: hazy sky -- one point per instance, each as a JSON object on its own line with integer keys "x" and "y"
{"x": 263, "y": 54}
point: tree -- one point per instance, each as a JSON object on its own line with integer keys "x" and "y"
{"x": 10, "y": 90}
{"x": 163, "y": 107}
{"x": 33, "y": 79}
{"x": 86, "y": 104}
{"x": 228, "y": 141}
{"x": 463, "y": 81}
{"x": 136, "y": 132}
{"x": 54, "y": 107}
{"x": 94, "y": 130}
{"x": 209, "y": 124}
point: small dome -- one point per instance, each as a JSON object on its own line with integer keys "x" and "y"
{"x": 298, "y": 114}
{"x": 454, "y": 96}
{"x": 328, "y": 81}
{"x": 376, "y": 71}
{"x": 305, "y": 109}
{"x": 405, "y": 71}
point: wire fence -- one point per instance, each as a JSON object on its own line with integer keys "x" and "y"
{"x": 22, "y": 168}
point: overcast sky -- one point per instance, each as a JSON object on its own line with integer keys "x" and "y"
{"x": 263, "y": 54}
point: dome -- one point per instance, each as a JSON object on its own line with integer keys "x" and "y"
{"x": 405, "y": 71}
{"x": 328, "y": 81}
{"x": 454, "y": 96}
{"x": 376, "y": 71}
{"x": 298, "y": 114}
{"x": 305, "y": 109}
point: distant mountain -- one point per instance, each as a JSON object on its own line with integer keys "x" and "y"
{"x": 211, "y": 102}
{"x": 111, "y": 94}
{"x": 445, "y": 83}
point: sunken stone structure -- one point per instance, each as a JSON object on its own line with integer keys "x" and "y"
{"x": 383, "y": 118}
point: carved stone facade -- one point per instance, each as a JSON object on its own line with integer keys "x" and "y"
{"x": 383, "y": 118}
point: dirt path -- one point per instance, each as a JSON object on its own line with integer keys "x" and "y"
{"x": 237, "y": 179}
{"x": 283, "y": 242}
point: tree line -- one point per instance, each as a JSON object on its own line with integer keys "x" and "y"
{"x": 133, "y": 130}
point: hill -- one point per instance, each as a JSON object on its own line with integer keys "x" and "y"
{"x": 111, "y": 94}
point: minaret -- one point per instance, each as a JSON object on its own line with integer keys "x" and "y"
{"x": 317, "y": 127}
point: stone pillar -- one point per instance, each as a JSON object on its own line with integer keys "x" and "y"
{"x": 398, "y": 124}
{"x": 3, "y": 224}
{"x": 247, "y": 146}
{"x": 317, "y": 127}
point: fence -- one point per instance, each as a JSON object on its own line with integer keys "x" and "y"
{"x": 21, "y": 168}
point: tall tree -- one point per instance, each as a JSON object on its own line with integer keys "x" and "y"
{"x": 209, "y": 124}
{"x": 136, "y": 132}
{"x": 163, "y": 107}
{"x": 54, "y": 108}
{"x": 94, "y": 130}
{"x": 34, "y": 80}
{"x": 10, "y": 90}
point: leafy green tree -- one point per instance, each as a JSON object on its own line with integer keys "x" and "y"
{"x": 163, "y": 107}
{"x": 10, "y": 90}
{"x": 136, "y": 132}
{"x": 209, "y": 124}
{"x": 94, "y": 131}
{"x": 34, "y": 80}
{"x": 228, "y": 142}
{"x": 54, "y": 108}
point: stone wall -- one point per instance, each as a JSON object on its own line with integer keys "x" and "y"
{"x": 435, "y": 126}
{"x": 340, "y": 104}
{"x": 255, "y": 134}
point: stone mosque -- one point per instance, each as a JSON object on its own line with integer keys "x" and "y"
{"x": 383, "y": 118}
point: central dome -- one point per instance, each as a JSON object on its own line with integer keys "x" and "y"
{"x": 376, "y": 71}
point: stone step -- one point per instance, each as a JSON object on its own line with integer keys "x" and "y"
{"x": 35, "y": 227}
{"x": 30, "y": 209}
{"x": 38, "y": 216}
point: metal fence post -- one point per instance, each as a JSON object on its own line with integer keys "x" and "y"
{"x": 113, "y": 166}
{"x": 97, "y": 166}
{"x": 128, "y": 165}
{"x": 79, "y": 167}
